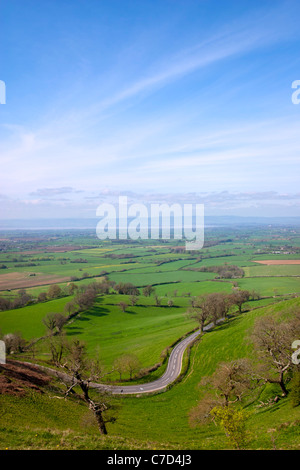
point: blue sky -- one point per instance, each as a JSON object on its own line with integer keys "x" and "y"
{"x": 165, "y": 100}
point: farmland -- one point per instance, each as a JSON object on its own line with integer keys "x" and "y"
{"x": 232, "y": 259}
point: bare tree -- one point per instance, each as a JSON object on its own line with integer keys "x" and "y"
{"x": 230, "y": 382}
{"x": 72, "y": 288}
{"x": 119, "y": 366}
{"x": 42, "y": 297}
{"x": 133, "y": 300}
{"x": 123, "y": 306}
{"x": 127, "y": 288}
{"x": 200, "y": 311}
{"x": 5, "y": 304}
{"x": 54, "y": 322}
{"x": 70, "y": 307}
{"x": 85, "y": 299}
{"x": 49, "y": 322}
{"x": 57, "y": 345}
{"x": 22, "y": 299}
{"x": 128, "y": 363}
{"x": 148, "y": 291}
{"x": 239, "y": 297}
{"x": 83, "y": 372}
{"x": 14, "y": 343}
{"x": 60, "y": 321}
{"x": 272, "y": 341}
{"x": 54, "y": 291}
{"x": 218, "y": 305}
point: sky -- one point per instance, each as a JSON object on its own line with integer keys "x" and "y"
{"x": 161, "y": 100}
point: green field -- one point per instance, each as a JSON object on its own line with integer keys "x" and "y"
{"x": 145, "y": 330}
{"x": 160, "y": 421}
{"x": 224, "y": 344}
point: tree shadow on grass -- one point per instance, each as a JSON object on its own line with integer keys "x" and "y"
{"x": 131, "y": 312}
{"x": 92, "y": 312}
{"x": 75, "y": 328}
{"x": 97, "y": 311}
{"x": 223, "y": 325}
{"x": 74, "y": 331}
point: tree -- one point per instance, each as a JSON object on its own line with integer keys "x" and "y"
{"x": 60, "y": 321}
{"x": 233, "y": 422}
{"x": 200, "y": 311}
{"x": 57, "y": 346}
{"x": 72, "y": 288}
{"x": 85, "y": 299}
{"x": 54, "y": 291}
{"x": 123, "y": 306}
{"x": 104, "y": 287}
{"x": 272, "y": 341}
{"x": 218, "y": 305}
{"x": 5, "y": 304}
{"x": 133, "y": 300}
{"x": 22, "y": 299}
{"x": 255, "y": 295}
{"x": 54, "y": 322}
{"x": 148, "y": 291}
{"x": 49, "y": 322}
{"x": 228, "y": 385}
{"x": 239, "y": 297}
{"x": 42, "y": 297}
{"x": 127, "y": 288}
{"x": 128, "y": 363}
{"x": 14, "y": 343}
{"x": 119, "y": 366}
{"x": 70, "y": 307}
{"x": 230, "y": 381}
{"x": 83, "y": 372}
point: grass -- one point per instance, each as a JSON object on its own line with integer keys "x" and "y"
{"x": 271, "y": 285}
{"x": 43, "y": 422}
{"x": 158, "y": 421}
{"x": 39, "y": 421}
{"x": 145, "y": 330}
{"x": 165, "y": 416}
{"x": 29, "y": 320}
{"x": 273, "y": 270}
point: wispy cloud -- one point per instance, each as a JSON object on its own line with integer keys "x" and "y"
{"x": 147, "y": 129}
{"x": 255, "y": 31}
{"x": 50, "y": 192}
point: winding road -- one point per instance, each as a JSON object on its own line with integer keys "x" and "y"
{"x": 171, "y": 374}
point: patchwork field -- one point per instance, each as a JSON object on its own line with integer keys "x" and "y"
{"x": 19, "y": 280}
{"x": 116, "y": 325}
{"x": 279, "y": 261}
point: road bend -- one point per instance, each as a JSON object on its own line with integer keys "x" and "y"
{"x": 171, "y": 374}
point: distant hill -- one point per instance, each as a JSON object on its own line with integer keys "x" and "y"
{"x": 91, "y": 223}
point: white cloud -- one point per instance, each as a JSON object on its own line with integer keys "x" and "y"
{"x": 116, "y": 143}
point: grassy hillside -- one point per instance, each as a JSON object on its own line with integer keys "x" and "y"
{"x": 39, "y": 420}
{"x": 170, "y": 410}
